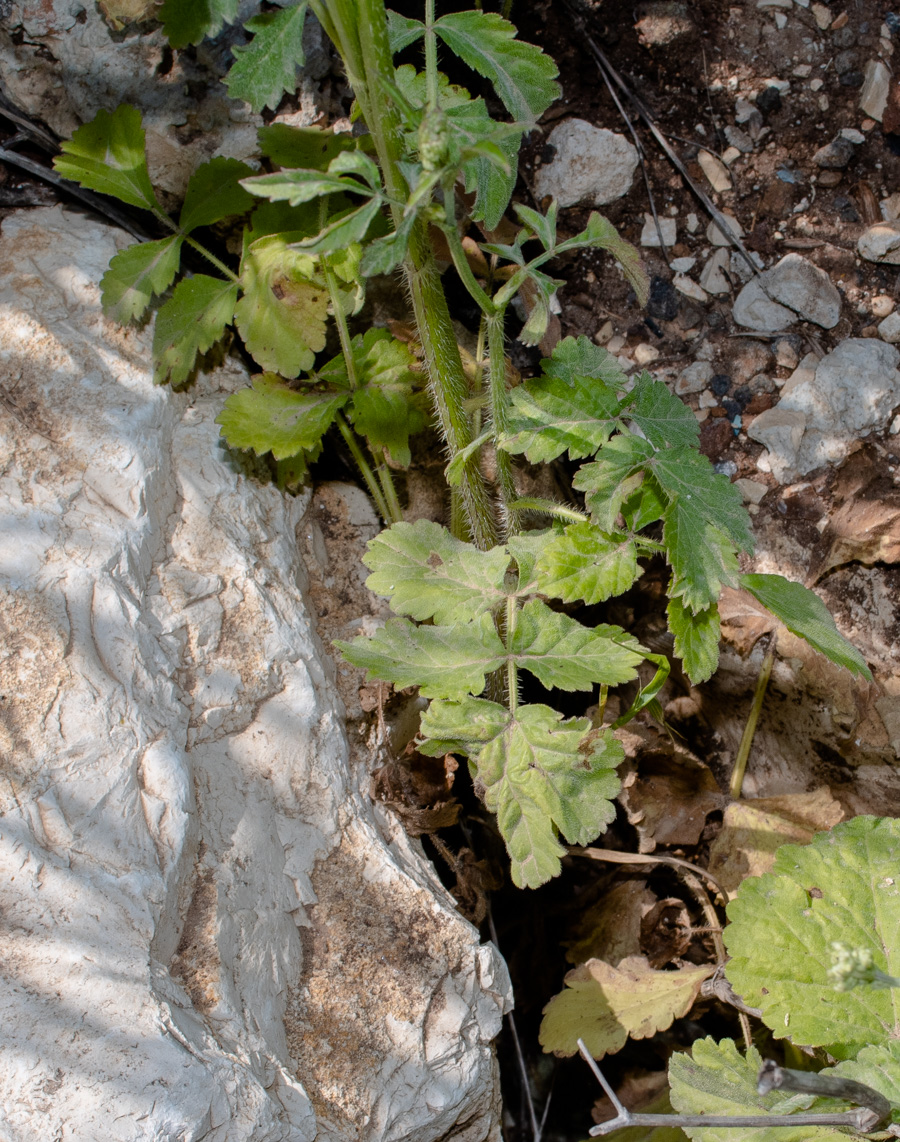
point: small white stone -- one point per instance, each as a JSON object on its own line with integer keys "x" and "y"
{"x": 874, "y": 94}
{"x": 890, "y": 207}
{"x": 604, "y": 333}
{"x": 715, "y": 235}
{"x": 763, "y": 463}
{"x": 780, "y": 21}
{"x": 689, "y": 288}
{"x": 805, "y": 371}
{"x": 823, "y": 103}
{"x": 714, "y": 278}
{"x": 694, "y": 378}
{"x": 822, "y": 15}
{"x": 774, "y": 3}
{"x": 644, "y": 353}
{"x": 802, "y": 70}
{"x": 701, "y": 414}
{"x": 708, "y": 400}
{"x": 650, "y": 234}
{"x": 889, "y": 329}
{"x": 591, "y": 165}
{"x": 715, "y": 171}
{"x": 692, "y": 222}
{"x": 882, "y": 305}
{"x": 816, "y": 84}
{"x": 786, "y": 355}
{"x": 752, "y": 490}
{"x": 881, "y": 243}
{"x": 852, "y": 135}
{"x": 895, "y": 425}
{"x": 615, "y": 345}
{"x": 683, "y": 265}
{"x": 730, "y": 155}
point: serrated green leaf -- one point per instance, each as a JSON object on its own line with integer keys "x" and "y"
{"x": 310, "y": 147}
{"x": 214, "y": 192}
{"x": 384, "y": 255}
{"x": 272, "y": 417}
{"x": 543, "y": 226}
{"x": 583, "y": 562}
{"x": 805, "y": 615}
{"x": 704, "y": 523}
{"x": 522, "y": 75}
{"x": 562, "y": 653}
{"x": 571, "y": 407}
{"x": 716, "y": 1079}
{"x": 266, "y": 68}
{"x": 279, "y": 218}
{"x": 526, "y": 549}
{"x": 386, "y": 406}
{"x": 613, "y": 477}
{"x": 842, "y": 887}
{"x": 282, "y": 313}
{"x": 298, "y": 186}
{"x": 108, "y": 155}
{"x": 403, "y": 31}
{"x": 428, "y": 574}
{"x": 877, "y": 1067}
{"x": 601, "y": 234}
{"x": 136, "y": 274}
{"x": 189, "y": 21}
{"x": 443, "y": 661}
{"x": 645, "y": 506}
{"x": 538, "y": 773}
{"x": 665, "y": 420}
{"x": 191, "y": 321}
{"x": 605, "y": 1006}
{"x": 342, "y": 230}
{"x": 696, "y": 639}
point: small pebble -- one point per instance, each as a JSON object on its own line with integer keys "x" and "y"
{"x": 692, "y": 222}
{"x": 882, "y": 305}
{"x": 752, "y": 490}
{"x": 604, "y": 333}
{"x": 644, "y": 353}
{"x": 615, "y": 345}
{"x": 720, "y": 384}
{"x": 683, "y": 265}
{"x": 708, "y": 400}
{"x": 817, "y": 84}
{"x": 889, "y": 329}
{"x": 822, "y": 15}
{"x": 895, "y": 426}
{"x": 689, "y": 288}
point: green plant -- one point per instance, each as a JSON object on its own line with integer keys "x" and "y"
{"x": 481, "y": 601}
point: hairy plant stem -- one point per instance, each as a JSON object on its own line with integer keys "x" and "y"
{"x": 365, "y": 468}
{"x": 500, "y": 418}
{"x": 360, "y": 28}
{"x": 431, "y": 65}
{"x": 512, "y": 675}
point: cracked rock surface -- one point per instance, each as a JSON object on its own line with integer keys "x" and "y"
{"x": 209, "y": 933}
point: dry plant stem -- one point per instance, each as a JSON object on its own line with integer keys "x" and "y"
{"x": 743, "y": 753}
{"x": 613, "y": 857}
{"x": 860, "y": 1120}
{"x": 774, "y": 1077}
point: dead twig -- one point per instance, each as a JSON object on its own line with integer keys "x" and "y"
{"x": 613, "y": 857}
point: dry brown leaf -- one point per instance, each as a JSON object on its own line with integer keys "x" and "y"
{"x": 611, "y": 930}
{"x": 753, "y": 831}
{"x": 666, "y": 791}
{"x": 665, "y": 932}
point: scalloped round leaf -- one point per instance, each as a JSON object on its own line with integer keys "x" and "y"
{"x": 605, "y": 1006}
{"x": 283, "y": 312}
{"x": 135, "y": 274}
{"x": 842, "y": 887}
{"x": 717, "y": 1079}
{"x": 877, "y": 1067}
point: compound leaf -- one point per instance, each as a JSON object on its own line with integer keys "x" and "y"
{"x": 189, "y": 21}
{"x": 283, "y": 311}
{"x": 604, "y": 1005}
{"x": 562, "y": 653}
{"x": 842, "y": 887}
{"x": 443, "y": 661}
{"x": 136, "y": 274}
{"x": 805, "y": 615}
{"x": 537, "y": 772}
{"x": 108, "y": 155}
{"x": 522, "y": 75}
{"x": 214, "y": 192}
{"x": 272, "y": 417}
{"x": 403, "y": 31}
{"x": 583, "y": 562}
{"x": 267, "y": 67}
{"x": 191, "y": 321}
{"x": 665, "y": 420}
{"x": 716, "y": 1079}
{"x": 385, "y": 406}
{"x": 571, "y": 407}
{"x": 696, "y": 639}
{"x": 613, "y": 476}
{"x": 428, "y": 574}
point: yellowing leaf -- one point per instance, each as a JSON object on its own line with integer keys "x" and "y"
{"x": 272, "y": 417}
{"x": 283, "y": 311}
{"x": 604, "y": 1005}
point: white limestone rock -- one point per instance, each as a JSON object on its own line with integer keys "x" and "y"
{"x": 694, "y": 378}
{"x": 853, "y": 392}
{"x": 793, "y": 288}
{"x": 180, "y": 800}
{"x": 881, "y": 243}
{"x": 591, "y": 165}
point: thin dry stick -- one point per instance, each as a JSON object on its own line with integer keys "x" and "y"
{"x": 613, "y": 857}
{"x": 743, "y": 753}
